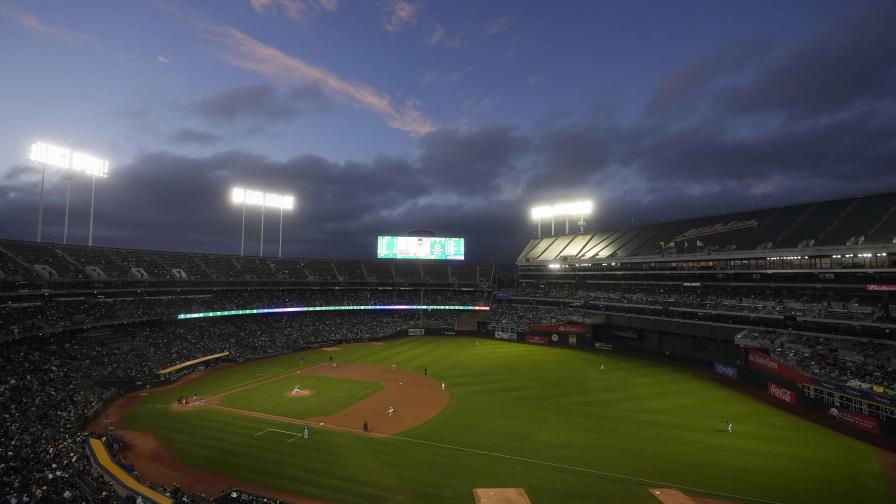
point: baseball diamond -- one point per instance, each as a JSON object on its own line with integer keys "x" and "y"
{"x": 447, "y": 252}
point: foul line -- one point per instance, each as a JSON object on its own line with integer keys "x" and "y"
{"x": 553, "y": 464}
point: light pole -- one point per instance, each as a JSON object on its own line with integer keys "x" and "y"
{"x": 565, "y": 210}
{"x": 45, "y": 155}
{"x": 68, "y": 191}
{"x": 40, "y": 210}
{"x": 243, "y": 229}
{"x": 261, "y": 248}
{"x": 280, "y": 245}
{"x": 249, "y": 197}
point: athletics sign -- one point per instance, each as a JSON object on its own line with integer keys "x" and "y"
{"x": 782, "y": 393}
{"x": 856, "y": 419}
{"x": 561, "y": 328}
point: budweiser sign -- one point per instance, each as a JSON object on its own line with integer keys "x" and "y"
{"x": 774, "y": 366}
{"x": 864, "y": 422}
{"x": 880, "y": 287}
{"x": 782, "y": 393}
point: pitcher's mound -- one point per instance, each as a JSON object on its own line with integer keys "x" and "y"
{"x": 302, "y": 393}
{"x": 501, "y": 496}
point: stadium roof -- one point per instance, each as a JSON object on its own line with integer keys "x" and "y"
{"x": 810, "y": 227}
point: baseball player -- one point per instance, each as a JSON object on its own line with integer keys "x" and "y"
{"x": 390, "y": 411}
{"x": 365, "y": 427}
{"x": 728, "y": 425}
{"x": 394, "y": 367}
{"x": 443, "y": 385}
{"x": 306, "y": 433}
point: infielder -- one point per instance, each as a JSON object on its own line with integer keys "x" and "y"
{"x": 390, "y": 411}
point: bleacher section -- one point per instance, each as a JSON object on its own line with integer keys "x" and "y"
{"x": 31, "y": 262}
{"x": 844, "y": 223}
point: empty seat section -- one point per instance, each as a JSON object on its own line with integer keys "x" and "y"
{"x": 379, "y": 271}
{"x": 556, "y": 247}
{"x": 858, "y": 221}
{"x": 350, "y": 271}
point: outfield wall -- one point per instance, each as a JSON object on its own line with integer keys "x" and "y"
{"x": 786, "y": 387}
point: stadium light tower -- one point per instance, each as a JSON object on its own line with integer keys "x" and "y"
{"x": 244, "y": 197}
{"x": 575, "y": 209}
{"x": 45, "y": 154}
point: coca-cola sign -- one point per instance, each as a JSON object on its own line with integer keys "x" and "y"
{"x": 781, "y": 393}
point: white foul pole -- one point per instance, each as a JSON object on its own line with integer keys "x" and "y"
{"x": 280, "y": 246}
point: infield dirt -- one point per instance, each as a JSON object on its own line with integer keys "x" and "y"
{"x": 415, "y": 398}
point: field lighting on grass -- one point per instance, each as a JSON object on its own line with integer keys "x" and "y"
{"x": 250, "y": 197}
{"x": 44, "y": 154}
{"x": 575, "y": 208}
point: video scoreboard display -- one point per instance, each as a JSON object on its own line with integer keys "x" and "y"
{"x": 419, "y": 247}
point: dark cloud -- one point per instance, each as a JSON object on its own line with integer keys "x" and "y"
{"x": 852, "y": 63}
{"x": 259, "y": 103}
{"x": 745, "y": 127}
{"x": 472, "y": 162}
{"x": 192, "y": 136}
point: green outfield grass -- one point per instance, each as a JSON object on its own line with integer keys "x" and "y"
{"x": 566, "y": 423}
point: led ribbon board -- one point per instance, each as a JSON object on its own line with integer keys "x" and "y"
{"x": 292, "y": 309}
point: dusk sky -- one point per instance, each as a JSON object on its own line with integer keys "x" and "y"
{"x": 389, "y": 115}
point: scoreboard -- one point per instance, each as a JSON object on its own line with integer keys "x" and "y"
{"x": 419, "y": 247}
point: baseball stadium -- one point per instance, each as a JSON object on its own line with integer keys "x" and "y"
{"x": 457, "y": 252}
{"x": 621, "y": 366}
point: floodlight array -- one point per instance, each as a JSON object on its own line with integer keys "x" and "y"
{"x": 292, "y": 309}
{"x": 574, "y": 208}
{"x": 250, "y": 197}
{"x": 63, "y": 157}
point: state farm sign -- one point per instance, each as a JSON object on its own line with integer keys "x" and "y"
{"x": 782, "y": 393}
{"x": 773, "y": 365}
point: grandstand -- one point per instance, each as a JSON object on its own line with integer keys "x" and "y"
{"x": 55, "y": 265}
{"x": 845, "y": 233}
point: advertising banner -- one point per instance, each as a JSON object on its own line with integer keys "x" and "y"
{"x": 723, "y": 369}
{"x": 880, "y": 287}
{"x": 561, "y": 328}
{"x": 856, "y": 419}
{"x": 509, "y": 336}
{"x": 782, "y": 393}
{"x": 538, "y": 340}
{"x": 416, "y": 332}
{"x": 768, "y": 363}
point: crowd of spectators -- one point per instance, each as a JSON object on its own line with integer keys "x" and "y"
{"x": 47, "y": 314}
{"x": 737, "y": 299}
{"x": 861, "y": 362}
{"x": 51, "y": 384}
